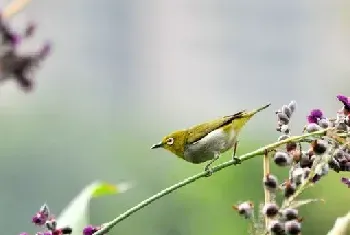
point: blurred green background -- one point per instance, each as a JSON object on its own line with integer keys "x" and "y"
{"x": 124, "y": 73}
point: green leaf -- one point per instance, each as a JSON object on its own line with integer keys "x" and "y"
{"x": 76, "y": 214}
{"x": 299, "y": 203}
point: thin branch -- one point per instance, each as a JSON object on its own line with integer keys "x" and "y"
{"x": 266, "y": 165}
{"x": 14, "y": 7}
{"x": 261, "y": 151}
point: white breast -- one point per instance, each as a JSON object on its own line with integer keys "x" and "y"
{"x": 215, "y": 142}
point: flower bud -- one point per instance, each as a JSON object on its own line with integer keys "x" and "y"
{"x": 289, "y": 189}
{"x": 270, "y": 210}
{"x": 312, "y": 127}
{"x": 282, "y": 159}
{"x": 319, "y": 147}
{"x": 345, "y": 181}
{"x": 66, "y": 230}
{"x": 292, "y": 106}
{"x": 276, "y": 227}
{"x": 285, "y": 129}
{"x": 293, "y": 227}
{"x": 89, "y": 230}
{"x": 289, "y": 214}
{"x": 283, "y": 118}
{"x": 283, "y": 137}
{"x": 245, "y": 209}
{"x": 307, "y": 172}
{"x": 291, "y": 146}
{"x": 334, "y": 164}
{"x": 305, "y": 160}
{"x": 270, "y": 182}
{"x": 287, "y": 111}
{"x": 51, "y": 224}
{"x": 323, "y": 123}
{"x": 341, "y": 127}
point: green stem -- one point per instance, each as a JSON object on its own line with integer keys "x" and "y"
{"x": 261, "y": 151}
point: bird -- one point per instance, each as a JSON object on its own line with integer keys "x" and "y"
{"x": 207, "y": 141}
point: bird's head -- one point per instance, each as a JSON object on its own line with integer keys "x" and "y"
{"x": 174, "y": 142}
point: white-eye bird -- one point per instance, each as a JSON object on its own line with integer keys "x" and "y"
{"x": 206, "y": 141}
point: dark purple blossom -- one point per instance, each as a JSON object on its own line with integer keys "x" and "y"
{"x": 345, "y": 101}
{"x": 90, "y": 229}
{"x": 315, "y": 114}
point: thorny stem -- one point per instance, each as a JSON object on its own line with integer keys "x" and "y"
{"x": 266, "y": 166}
{"x": 109, "y": 225}
{"x": 14, "y": 7}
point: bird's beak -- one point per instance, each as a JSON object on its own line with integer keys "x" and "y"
{"x": 155, "y": 146}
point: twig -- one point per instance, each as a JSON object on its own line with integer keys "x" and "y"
{"x": 109, "y": 225}
{"x": 266, "y": 165}
{"x": 14, "y": 7}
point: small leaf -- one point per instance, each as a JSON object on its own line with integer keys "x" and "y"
{"x": 76, "y": 214}
{"x": 108, "y": 189}
{"x": 299, "y": 203}
{"x": 341, "y": 226}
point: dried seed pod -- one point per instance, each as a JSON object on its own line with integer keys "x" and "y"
{"x": 282, "y": 159}
{"x": 319, "y": 147}
{"x": 306, "y": 173}
{"x": 312, "y": 127}
{"x": 293, "y": 227}
{"x": 287, "y": 111}
{"x": 334, "y": 164}
{"x": 270, "y": 182}
{"x": 276, "y": 227}
{"x": 245, "y": 209}
{"x": 270, "y": 210}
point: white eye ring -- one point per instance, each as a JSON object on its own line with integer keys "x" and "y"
{"x": 170, "y": 141}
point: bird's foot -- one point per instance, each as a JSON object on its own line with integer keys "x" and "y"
{"x": 236, "y": 160}
{"x": 208, "y": 170}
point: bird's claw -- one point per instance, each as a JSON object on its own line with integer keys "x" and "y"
{"x": 236, "y": 160}
{"x": 209, "y": 170}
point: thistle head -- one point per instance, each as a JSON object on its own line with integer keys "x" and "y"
{"x": 174, "y": 142}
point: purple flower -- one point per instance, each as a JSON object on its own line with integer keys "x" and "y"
{"x": 89, "y": 230}
{"x": 345, "y": 181}
{"x": 345, "y": 101}
{"x": 39, "y": 219}
{"x": 315, "y": 114}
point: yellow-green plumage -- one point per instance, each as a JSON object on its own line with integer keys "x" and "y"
{"x": 206, "y": 141}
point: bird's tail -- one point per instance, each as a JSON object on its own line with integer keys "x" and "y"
{"x": 245, "y": 116}
{"x": 255, "y": 111}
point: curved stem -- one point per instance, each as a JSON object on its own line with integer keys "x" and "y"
{"x": 261, "y": 151}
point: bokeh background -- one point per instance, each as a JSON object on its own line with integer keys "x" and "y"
{"x": 123, "y": 73}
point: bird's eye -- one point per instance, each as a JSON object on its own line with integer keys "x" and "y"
{"x": 170, "y": 141}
